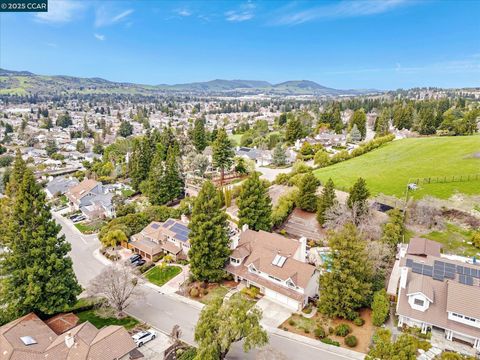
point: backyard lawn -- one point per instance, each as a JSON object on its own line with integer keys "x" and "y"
{"x": 160, "y": 275}
{"x": 390, "y": 168}
{"x": 99, "y": 322}
{"x": 454, "y": 240}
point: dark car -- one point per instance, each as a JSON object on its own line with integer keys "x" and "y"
{"x": 134, "y": 258}
{"x": 139, "y": 262}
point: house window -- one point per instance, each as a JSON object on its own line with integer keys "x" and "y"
{"x": 418, "y": 302}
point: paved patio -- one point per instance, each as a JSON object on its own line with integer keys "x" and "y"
{"x": 438, "y": 340}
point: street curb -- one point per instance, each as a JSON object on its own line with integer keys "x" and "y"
{"x": 175, "y": 296}
{"x": 349, "y": 354}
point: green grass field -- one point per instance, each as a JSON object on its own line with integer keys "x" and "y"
{"x": 389, "y": 169}
{"x": 161, "y": 275}
{"x": 99, "y": 322}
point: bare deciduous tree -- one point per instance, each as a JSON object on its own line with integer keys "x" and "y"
{"x": 118, "y": 284}
{"x": 425, "y": 213}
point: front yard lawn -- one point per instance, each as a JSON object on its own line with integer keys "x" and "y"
{"x": 128, "y": 192}
{"x": 213, "y": 292}
{"x": 306, "y": 327}
{"x": 100, "y": 322}
{"x": 160, "y": 275}
{"x": 90, "y": 227}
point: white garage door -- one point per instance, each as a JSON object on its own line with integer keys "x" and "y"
{"x": 282, "y": 299}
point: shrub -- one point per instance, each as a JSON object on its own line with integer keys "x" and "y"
{"x": 282, "y": 179}
{"x": 284, "y": 207}
{"x": 380, "y": 307}
{"x": 351, "y": 341}
{"x": 476, "y": 239}
{"x": 291, "y": 322}
{"x": 205, "y": 291}
{"x": 330, "y": 341}
{"x": 188, "y": 354}
{"x": 251, "y": 292}
{"x": 306, "y": 330}
{"x": 158, "y": 257}
{"x": 342, "y": 330}
{"x": 145, "y": 267}
{"x": 359, "y": 321}
{"x": 319, "y": 332}
{"x": 331, "y": 330}
{"x": 194, "y": 292}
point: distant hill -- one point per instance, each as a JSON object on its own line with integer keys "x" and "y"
{"x": 27, "y": 83}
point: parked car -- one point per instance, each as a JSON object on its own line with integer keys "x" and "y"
{"x": 79, "y": 218}
{"x": 134, "y": 258}
{"x": 144, "y": 336}
{"x": 60, "y": 207}
{"x": 74, "y": 216}
{"x": 139, "y": 262}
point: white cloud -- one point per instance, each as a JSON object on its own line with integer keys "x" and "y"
{"x": 183, "y": 12}
{"x": 343, "y": 9}
{"x": 244, "y": 13}
{"x": 105, "y": 17}
{"x": 52, "y": 45}
{"x": 60, "y": 11}
{"x": 99, "y": 37}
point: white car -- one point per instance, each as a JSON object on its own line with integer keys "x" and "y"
{"x": 144, "y": 336}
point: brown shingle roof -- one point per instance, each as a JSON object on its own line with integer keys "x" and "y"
{"x": 424, "y": 247}
{"x": 78, "y": 191}
{"x": 62, "y": 322}
{"x": 463, "y": 299}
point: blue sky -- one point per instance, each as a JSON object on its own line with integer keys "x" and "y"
{"x": 343, "y": 44}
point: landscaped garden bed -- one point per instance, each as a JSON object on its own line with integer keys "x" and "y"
{"x": 205, "y": 292}
{"x": 160, "y": 275}
{"x": 337, "y": 332}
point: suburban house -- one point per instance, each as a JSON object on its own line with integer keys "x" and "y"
{"x": 275, "y": 265}
{"x": 260, "y": 157}
{"x": 30, "y": 338}
{"x": 92, "y": 199}
{"x": 170, "y": 237}
{"x": 437, "y": 293}
{"x": 59, "y": 185}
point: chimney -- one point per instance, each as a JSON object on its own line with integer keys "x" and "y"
{"x": 244, "y": 227}
{"x": 303, "y": 249}
{"x": 403, "y": 277}
{"x": 69, "y": 340}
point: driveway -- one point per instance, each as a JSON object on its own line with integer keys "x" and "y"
{"x": 270, "y": 174}
{"x": 274, "y": 314}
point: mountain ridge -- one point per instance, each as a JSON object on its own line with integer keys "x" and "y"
{"x": 28, "y": 83}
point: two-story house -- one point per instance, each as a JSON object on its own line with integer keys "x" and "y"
{"x": 92, "y": 199}
{"x": 436, "y": 292}
{"x": 275, "y": 265}
{"x": 169, "y": 237}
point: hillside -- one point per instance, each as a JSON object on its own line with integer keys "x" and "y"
{"x": 27, "y": 83}
{"x": 389, "y": 169}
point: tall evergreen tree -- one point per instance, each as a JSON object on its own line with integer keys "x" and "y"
{"x": 153, "y": 187}
{"x": 307, "y": 198}
{"x": 293, "y": 130}
{"x": 140, "y": 160}
{"x": 209, "y": 249}
{"x": 254, "y": 204}
{"x": 326, "y": 201}
{"x": 360, "y": 119}
{"x": 172, "y": 179}
{"x": 357, "y": 199}
{"x": 345, "y": 284}
{"x": 36, "y": 272}
{"x": 222, "y": 153}
{"x": 199, "y": 136}
{"x": 279, "y": 155}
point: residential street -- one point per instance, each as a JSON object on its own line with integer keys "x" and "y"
{"x": 164, "y": 311}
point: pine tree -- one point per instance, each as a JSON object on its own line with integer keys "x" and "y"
{"x": 279, "y": 155}
{"x": 199, "y": 136}
{"x": 345, "y": 284}
{"x": 223, "y": 153}
{"x": 360, "y": 119}
{"x": 209, "y": 243}
{"x": 394, "y": 229}
{"x": 307, "y": 198}
{"x": 153, "y": 187}
{"x": 357, "y": 200}
{"x": 140, "y": 160}
{"x": 254, "y": 204}
{"x": 355, "y": 134}
{"x": 172, "y": 179}
{"x": 36, "y": 272}
{"x": 16, "y": 176}
{"x": 293, "y": 130}
{"x": 326, "y": 201}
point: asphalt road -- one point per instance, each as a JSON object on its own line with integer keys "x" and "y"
{"x": 164, "y": 311}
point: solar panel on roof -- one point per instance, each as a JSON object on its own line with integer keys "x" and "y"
{"x": 155, "y": 226}
{"x": 466, "y": 271}
{"x": 181, "y": 237}
{"x": 438, "y": 277}
{"x": 168, "y": 223}
{"x": 417, "y": 270}
{"x": 469, "y": 280}
{"x": 450, "y": 266}
{"x": 449, "y": 275}
{"x": 427, "y": 272}
{"x": 409, "y": 262}
{"x": 475, "y": 273}
{"x": 428, "y": 267}
{"x": 417, "y": 266}
{"x": 462, "y": 279}
{"x": 439, "y": 263}
{"x": 459, "y": 269}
